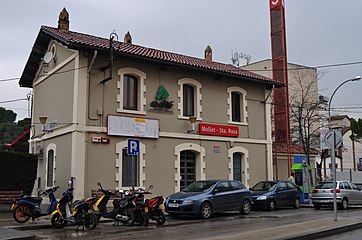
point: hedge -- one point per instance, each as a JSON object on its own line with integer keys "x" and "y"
{"x": 17, "y": 171}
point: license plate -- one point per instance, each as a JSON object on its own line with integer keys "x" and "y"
{"x": 162, "y": 206}
{"x": 173, "y": 205}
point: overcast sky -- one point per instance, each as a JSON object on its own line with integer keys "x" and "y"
{"x": 319, "y": 33}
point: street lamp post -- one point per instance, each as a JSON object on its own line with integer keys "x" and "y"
{"x": 333, "y": 150}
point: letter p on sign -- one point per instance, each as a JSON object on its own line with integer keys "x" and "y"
{"x": 133, "y": 146}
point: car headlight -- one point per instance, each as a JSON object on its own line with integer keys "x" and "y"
{"x": 261, "y": 198}
{"x": 188, "y": 201}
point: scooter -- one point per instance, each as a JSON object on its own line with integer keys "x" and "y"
{"x": 123, "y": 209}
{"x": 29, "y": 207}
{"x": 156, "y": 209}
{"x": 153, "y": 208}
{"x": 81, "y": 216}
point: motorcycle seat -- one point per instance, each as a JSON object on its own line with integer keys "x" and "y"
{"x": 33, "y": 199}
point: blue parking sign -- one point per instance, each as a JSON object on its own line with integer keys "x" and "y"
{"x": 133, "y": 146}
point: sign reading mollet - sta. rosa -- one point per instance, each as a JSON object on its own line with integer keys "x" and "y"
{"x": 218, "y": 130}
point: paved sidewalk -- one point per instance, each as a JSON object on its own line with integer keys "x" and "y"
{"x": 312, "y": 229}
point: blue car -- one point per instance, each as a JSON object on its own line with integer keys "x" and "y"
{"x": 203, "y": 198}
{"x": 273, "y": 194}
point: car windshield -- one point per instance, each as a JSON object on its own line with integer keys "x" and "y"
{"x": 325, "y": 185}
{"x": 199, "y": 186}
{"x": 263, "y": 186}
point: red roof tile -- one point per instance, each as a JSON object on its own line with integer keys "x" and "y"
{"x": 294, "y": 149}
{"x": 136, "y": 50}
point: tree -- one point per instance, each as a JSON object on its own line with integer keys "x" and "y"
{"x": 10, "y": 130}
{"x": 356, "y": 129}
{"x": 7, "y": 116}
{"x": 306, "y": 109}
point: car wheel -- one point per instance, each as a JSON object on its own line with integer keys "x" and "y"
{"x": 317, "y": 206}
{"x": 296, "y": 204}
{"x": 271, "y": 206}
{"x": 205, "y": 210}
{"x": 245, "y": 207}
{"x": 344, "y": 204}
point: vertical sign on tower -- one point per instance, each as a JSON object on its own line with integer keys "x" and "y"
{"x": 280, "y": 73}
{"x": 275, "y": 3}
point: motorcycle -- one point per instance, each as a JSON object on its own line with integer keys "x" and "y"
{"x": 140, "y": 210}
{"x": 81, "y": 215}
{"x": 152, "y": 207}
{"x": 156, "y": 209}
{"x": 29, "y": 207}
{"x": 123, "y": 209}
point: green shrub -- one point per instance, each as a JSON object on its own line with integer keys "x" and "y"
{"x": 17, "y": 171}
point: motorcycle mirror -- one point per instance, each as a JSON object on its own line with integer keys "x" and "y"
{"x": 99, "y": 184}
{"x": 151, "y": 186}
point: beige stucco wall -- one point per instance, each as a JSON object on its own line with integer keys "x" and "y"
{"x": 81, "y": 103}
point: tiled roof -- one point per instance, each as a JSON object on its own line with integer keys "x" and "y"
{"x": 294, "y": 149}
{"x": 76, "y": 39}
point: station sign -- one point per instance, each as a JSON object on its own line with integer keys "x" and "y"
{"x": 218, "y": 130}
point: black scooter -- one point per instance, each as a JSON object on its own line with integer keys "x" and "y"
{"x": 123, "y": 209}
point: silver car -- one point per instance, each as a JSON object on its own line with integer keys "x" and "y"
{"x": 347, "y": 194}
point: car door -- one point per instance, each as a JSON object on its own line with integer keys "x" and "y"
{"x": 282, "y": 194}
{"x": 239, "y": 194}
{"x": 357, "y": 193}
{"x": 348, "y": 192}
{"x": 292, "y": 193}
{"x": 221, "y": 196}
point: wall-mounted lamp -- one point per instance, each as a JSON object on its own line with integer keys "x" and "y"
{"x": 43, "y": 119}
{"x": 192, "y": 121}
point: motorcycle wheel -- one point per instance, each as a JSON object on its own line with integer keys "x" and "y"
{"x": 57, "y": 221}
{"x": 143, "y": 219}
{"x": 20, "y": 215}
{"x": 160, "y": 217}
{"x": 90, "y": 221}
{"x": 131, "y": 218}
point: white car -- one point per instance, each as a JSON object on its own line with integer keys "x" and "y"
{"x": 347, "y": 194}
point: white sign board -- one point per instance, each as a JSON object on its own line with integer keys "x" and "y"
{"x": 334, "y": 137}
{"x": 323, "y": 132}
{"x": 133, "y": 126}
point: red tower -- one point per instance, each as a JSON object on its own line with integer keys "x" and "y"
{"x": 280, "y": 73}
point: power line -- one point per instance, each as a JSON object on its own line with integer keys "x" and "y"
{"x": 14, "y": 100}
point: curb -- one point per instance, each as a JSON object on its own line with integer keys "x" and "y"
{"x": 328, "y": 232}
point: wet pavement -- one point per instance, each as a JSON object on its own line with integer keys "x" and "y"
{"x": 304, "y": 223}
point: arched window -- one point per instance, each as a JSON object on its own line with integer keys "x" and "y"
{"x": 130, "y": 167}
{"x": 130, "y": 92}
{"x": 237, "y": 109}
{"x": 132, "y": 89}
{"x": 190, "y": 164}
{"x": 50, "y": 168}
{"x": 189, "y": 98}
{"x": 239, "y": 164}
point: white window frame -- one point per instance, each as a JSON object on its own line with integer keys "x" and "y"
{"x": 141, "y": 90}
{"x": 53, "y": 147}
{"x": 142, "y": 164}
{"x": 243, "y": 102}
{"x": 200, "y": 162}
{"x": 244, "y": 164}
{"x": 197, "y": 100}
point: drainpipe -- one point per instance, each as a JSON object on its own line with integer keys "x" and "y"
{"x": 88, "y": 75}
